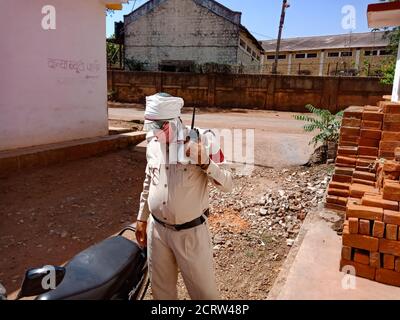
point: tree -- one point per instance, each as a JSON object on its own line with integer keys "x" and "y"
{"x": 327, "y": 125}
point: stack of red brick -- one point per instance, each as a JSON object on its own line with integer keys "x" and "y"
{"x": 366, "y": 185}
{"x": 371, "y": 235}
{"x": 355, "y": 171}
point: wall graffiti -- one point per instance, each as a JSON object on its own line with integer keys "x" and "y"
{"x": 76, "y": 66}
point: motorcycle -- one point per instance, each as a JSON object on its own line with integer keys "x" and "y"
{"x": 114, "y": 269}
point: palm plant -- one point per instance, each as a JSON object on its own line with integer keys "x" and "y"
{"x": 327, "y": 124}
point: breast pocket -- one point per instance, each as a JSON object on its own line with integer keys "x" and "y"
{"x": 154, "y": 169}
{"x": 189, "y": 175}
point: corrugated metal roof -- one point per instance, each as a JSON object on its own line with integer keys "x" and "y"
{"x": 353, "y": 40}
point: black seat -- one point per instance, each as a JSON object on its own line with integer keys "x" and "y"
{"x": 100, "y": 271}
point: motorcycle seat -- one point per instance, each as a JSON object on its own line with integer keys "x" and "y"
{"x": 95, "y": 272}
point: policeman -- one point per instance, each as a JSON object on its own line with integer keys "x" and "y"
{"x": 172, "y": 217}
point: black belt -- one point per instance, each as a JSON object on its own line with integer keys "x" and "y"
{"x": 191, "y": 224}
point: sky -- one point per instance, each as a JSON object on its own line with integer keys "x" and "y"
{"x": 303, "y": 18}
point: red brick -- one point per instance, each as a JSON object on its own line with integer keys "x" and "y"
{"x": 378, "y": 229}
{"x": 346, "y": 160}
{"x": 365, "y": 142}
{"x": 391, "y": 232}
{"x": 349, "y": 131}
{"x": 388, "y": 277}
{"x": 341, "y": 178}
{"x": 364, "y": 227}
{"x": 390, "y": 107}
{"x": 391, "y": 191}
{"x": 344, "y": 171}
{"x": 358, "y": 190}
{"x": 338, "y": 192}
{"x": 364, "y": 212}
{"x": 371, "y": 134}
{"x": 364, "y": 175}
{"x": 364, "y": 162}
{"x": 397, "y": 154}
{"x": 378, "y": 202}
{"x": 375, "y": 259}
{"x": 348, "y": 138}
{"x": 391, "y": 166}
{"x": 372, "y": 116}
{"x": 389, "y": 145}
{"x": 368, "y": 151}
{"x": 390, "y": 117}
{"x": 351, "y": 122}
{"x": 388, "y": 261}
{"x": 391, "y": 217}
{"x": 347, "y": 150}
{"x": 346, "y": 253}
{"x": 397, "y": 265}
{"x": 342, "y": 201}
{"x": 334, "y": 206}
{"x": 389, "y": 247}
{"x": 386, "y": 154}
{"x": 361, "y": 256}
{"x": 391, "y": 126}
{"x": 353, "y": 112}
{"x": 362, "y": 270}
{"x": 353, "y": 225}
{"x": 376, "y": 125}
{"x": 360, "y": 242}
{"x": 390, "y": 136}
{"x": 364, "y": 182}
{"x": 339, "y": 185}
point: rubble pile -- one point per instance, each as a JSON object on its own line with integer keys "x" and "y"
{"x": 278, "y": 211}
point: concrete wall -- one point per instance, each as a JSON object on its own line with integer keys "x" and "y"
{"x": 180, "y": 30}
{"x": 251, "y": 61}
{"x": 284, "y": 93}
{"x": 53, "y": 82}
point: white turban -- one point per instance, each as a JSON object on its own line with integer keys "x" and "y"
{"x": 163, "y": 107}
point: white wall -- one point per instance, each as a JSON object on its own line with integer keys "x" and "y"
{"x": 42, "y": 98}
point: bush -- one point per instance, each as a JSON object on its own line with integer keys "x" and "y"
{"x": 135, "y": 65}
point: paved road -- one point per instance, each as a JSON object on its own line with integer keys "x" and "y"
{"x": 279, "y": 139}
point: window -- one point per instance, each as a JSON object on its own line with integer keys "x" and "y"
{"x": 300, "y": 55}
{"x": 333, "y": 54}
{"x": 346, "y": 54}
{"x": 254, "y": 54}
{"x": 369, "y": 53}
{"x": 249, "y": 50}
{"x": 312, "y": 55}
{"x": 258, "y": 57}
{"x": 242, "y": 44}
{"x": 280, "y": 57}
{"x": 385, "y": 52}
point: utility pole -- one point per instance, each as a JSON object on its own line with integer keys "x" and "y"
{"x": 285, "y": 5}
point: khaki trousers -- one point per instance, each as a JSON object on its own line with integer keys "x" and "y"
{"x": 188, "y": 250}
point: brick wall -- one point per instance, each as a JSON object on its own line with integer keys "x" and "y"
{"x": 286, "y": 93}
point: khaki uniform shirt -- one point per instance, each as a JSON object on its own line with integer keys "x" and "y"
{"x": 178, "y": 193}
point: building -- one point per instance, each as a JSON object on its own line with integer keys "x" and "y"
{"x": 176, "y": 35}
{"x": 348, "y": 54}
{"x": 53, "y": 86}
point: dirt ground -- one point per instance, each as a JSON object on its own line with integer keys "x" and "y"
{"x": 48, "y": 215}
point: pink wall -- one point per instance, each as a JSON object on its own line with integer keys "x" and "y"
{"x": 52, "y": 83}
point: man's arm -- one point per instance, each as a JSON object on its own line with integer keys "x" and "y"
{"x": 144, "y": 211}
{"x": 220, "y": 175}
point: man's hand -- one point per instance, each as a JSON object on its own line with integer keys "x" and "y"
{"x": 197, "y": 153}
{"x": 141, "y": 233}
